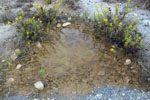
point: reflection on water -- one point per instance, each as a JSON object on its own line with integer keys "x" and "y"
{"x": 76, "y": 65}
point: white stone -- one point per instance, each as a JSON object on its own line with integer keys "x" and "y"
{"x": 146, "y": 22}
{"x": 13, "y": 56}
{"x": 101, "y": 73}
{"x": 39, "y": 85}
{"x": 38, "y": 44}
{"x": 11, "y": 80}
{"x": 66, "y": 24}
{"x": 127, "y": 62}
{"x": 58, "y": 25}
{"x": 69, "y": 18}
{"x": 135, "y": 15}
{"x": 3, "y": 61}
{"x": 18, "y": 66}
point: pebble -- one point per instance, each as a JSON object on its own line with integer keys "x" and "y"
{"x": 13, "y": 56}
{"x": 135, "y": 15}
{"x": 69, "y": 18}
{"x": 39, "y": 85}
{"x": 73, "y": 92}
{"x": 58, "y": 25}
{"x": 101, "y": 73}
{"x": 127, "y": 62}
{"x": 11, "y": 80}
{"x": 3, "y": 61}
{"x": 38, "y": 44}
{"x": 66, "y": 24}
{"x": 146, "y": 22}
{"x": 18, "y": 66}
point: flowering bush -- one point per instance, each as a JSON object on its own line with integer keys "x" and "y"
{"x": 117, "y": 29}
{"x": 35, "y": 28}
{"x": 32, "y": 28}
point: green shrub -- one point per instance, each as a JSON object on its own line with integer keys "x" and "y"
{"x": 31, "y": 28}
{"x": 117, "y": 29}
{"x": 36, "y": 28}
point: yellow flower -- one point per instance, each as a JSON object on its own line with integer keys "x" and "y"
{"x": 101, "y": 6}
{"x": 116, "y": 17}
{"x": 9, "y": 22}
{"x": 40, "y": 21}
{"x": 33, "y": 17}
{"x": 9, "y": 64}
{"x": 96, "y": 7}
{"x": 99, "y": 15}
{"x": 113, "y": 46}
{"x": 112, "y": 50}
{"x": 110, "y": 24}
{"x": 130, "y": 26}
{"x": 105, "y": 20}
{"x": 27, "y": 33}
{"x": 17, "y": 19}
{"x": 117, "y": 7}
{"x": 20, "y": 17}
{"x": 28, "y": 43}
{"x": 120, "y": 25}
{"x": 35, "y": 5}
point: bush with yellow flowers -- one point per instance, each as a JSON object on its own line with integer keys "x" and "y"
{"x": 37, "y": 27}
{"x": 117, "y": 29}
{"x": 31, "y": 28}
{"x": 48, "y": 16}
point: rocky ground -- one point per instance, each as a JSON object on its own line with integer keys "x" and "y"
{"x": 103, "y": 93}
{"x": 9, "y": 36}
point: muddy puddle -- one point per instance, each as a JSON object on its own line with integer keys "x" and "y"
{"x": 76, "y": 65}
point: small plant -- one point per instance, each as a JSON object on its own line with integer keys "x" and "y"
{"x": 36, "y": 28}
{"x": 48, "y": 16}
{"x": 117, "y": 29}
{"x": 42, "y": 71}
{"x": 32, "y": 28}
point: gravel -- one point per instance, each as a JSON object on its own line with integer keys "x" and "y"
{"x": 103, "y": 93}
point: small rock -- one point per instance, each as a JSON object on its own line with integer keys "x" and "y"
{"x": 66, "y": 24}
{"x": 123, "y": 74}
{"x": 38, "y": 44}
{"x": 135, "y": 15}
{"x": 39, "y": 85}
{"x": 49, "y": 7}
{"x": 58, "y": 25}
{"x": 101, "y": 73}
{"x": 3, "y": 61}
{"x": 18, "y": 66}
{"x": 13, "y": 56}
{"x": 123, "y": 94}
{"x": 146, "y": 22}
{"x": 134, "y": 71}
{"x": 127, "y": 79}
{"x": 128, "y": 62}
{"x": 11, "y": 80}
{"x": 69, "y": 18}
{"x": 73, "y": 92}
